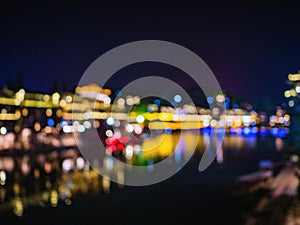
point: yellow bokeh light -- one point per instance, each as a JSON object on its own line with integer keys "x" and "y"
{"x": 24, "y": 112}
{"x": 37, "y": 127}
{"x": 49, "y": 112}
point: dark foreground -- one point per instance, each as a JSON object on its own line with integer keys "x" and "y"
{"x": 189, "y": 197}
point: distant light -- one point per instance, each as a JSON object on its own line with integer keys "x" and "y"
{"x": 50, "y": 122}
{"x": 20, "y": 95}
{"x": 106, "y": 184}
{"x": 246, "y": 130}
{"x": 68, "y": 129}
{"x": 136, "y": 100}
{"x": 110, "y": 121}
{"x": 138, "y": 129}
{"x": 63, "y": 103}
{"x": 210, "y": 100}
{"x": 222, "y": 123}
{"x": 3, "y": 111}
{"x": 46, "y": 98}
{"x": 287, "y": 94}
{"x": 117, "y": 123}
{"x": 96, "y": 124}
{"x": 109, "y": 141}
{"x": 206, "y": 130}
{"x": 97, "y": 96}
{"x": 81, "y": 128}
{"x": 177, "y": 98}
{"x": 80, "y": 163}
{"x": 69, "y": 99}
{"x": 282, "y": 132}
{"x": 129, "y": 152}
{"x": 87, "y": 124}
{"x": 246, "y": 119}
{"x": 3, "y": 130}
{"x": 213, "y": 123}
{"x": 137, "y": 149}
{"x": 55, "y": 98}
{"x": 109, "y": 163}
{"x": 235, "y": 106}
{"x": 37, "y": 127}
{"x": 49, "y": 112}
{"x": 291, "y": 103}
{"x": 168, "y": 130}
{"x": 205, "y": 123}
{"x": 2, "y": 177}
{"x": 294, "y": 77}
{"x": 25, "y": 167}
{"x": 281, "y": 120}
{"x": 220, "y": 98}
{"x": 48, "y": 130}
{"x": 58, "y": 113}
{"x": 129, "y": 100}
{"x": 109, "y": 133}
{"x": 63, "y": 123}
{"x": 129, "y": 128}
{"x": 68, "y": 201}
{"x": 274, "y": 131}
{"x": 239, "y": 131}
{"x": 140, "y": 119}
{"x": 227, "y": 100}
{"x": 175, "y": 117}
{"x": 22, "y": 91}
{"x": 293, "y": 93}
{"x": 107, "y": 100}
{"x": 254, "y": 130}
{"x": 67, "y": 165}
{"x": 156, "y": 102}
{"x": 294, "y": 158}
{"x": 287, "y": 117}
{"x": 25, "y": 112}
{"x": 18, "y": 207}
{"x": 121, "y": 101}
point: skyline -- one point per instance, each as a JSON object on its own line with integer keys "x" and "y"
{"x": 245, "y": 46}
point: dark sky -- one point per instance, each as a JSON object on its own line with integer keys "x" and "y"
{"x": 250, "y": 47}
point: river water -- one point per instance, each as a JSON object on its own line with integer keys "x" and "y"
{"x": 58, "y": 187}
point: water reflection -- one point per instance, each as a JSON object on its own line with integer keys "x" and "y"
{"x": 52, "y": 178}
{"x": 279, "y": 144}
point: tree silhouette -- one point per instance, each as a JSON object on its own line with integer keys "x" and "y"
{"x": 10, "y": 82}
{"x": 54, "y": 86}
{"x": 19, "y": 81}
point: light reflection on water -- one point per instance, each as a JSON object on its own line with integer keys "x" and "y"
{"x": 52, "y": 178}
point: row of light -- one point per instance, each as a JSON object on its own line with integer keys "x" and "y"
{"x": 280, "y": 120}
{"x": 245, "y": 120}
{"x": 294, "y": 77}
{"x": 292, "y": 92}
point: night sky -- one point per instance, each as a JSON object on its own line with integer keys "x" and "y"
{"x": 251, "y": 48}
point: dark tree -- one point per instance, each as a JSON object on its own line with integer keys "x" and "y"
{"x": 54, "y": 86}
{"x": 19, "y": 81}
